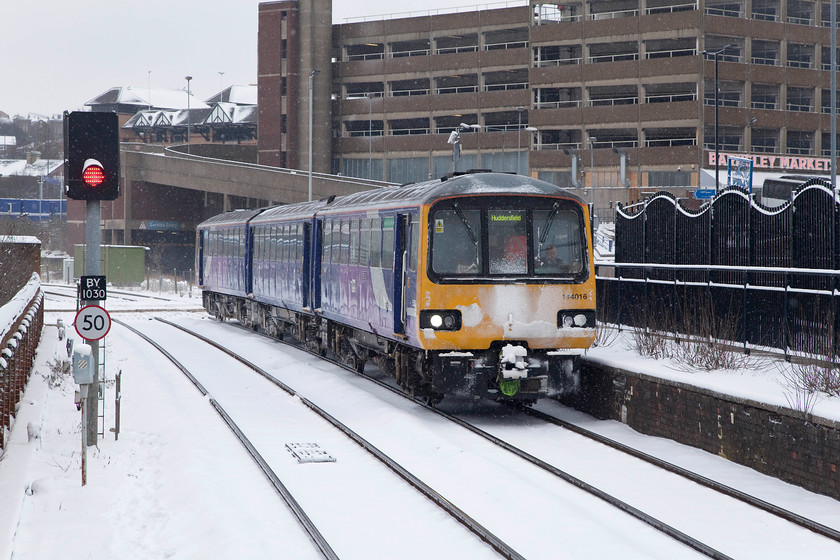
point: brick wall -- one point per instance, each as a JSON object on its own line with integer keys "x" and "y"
{"x": 777, "y": 441}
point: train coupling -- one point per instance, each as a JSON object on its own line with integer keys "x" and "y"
{"x": 513, "y": 362}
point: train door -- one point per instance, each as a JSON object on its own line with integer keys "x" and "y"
{"x": 315, "y": 268}
{"x": 201, "y": 244}
{"x": 304, "y": 284}
{"x": 400, "y": 276}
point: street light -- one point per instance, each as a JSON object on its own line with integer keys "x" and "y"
{"x": 370, "y": 135}
{"x": 519, "y": 137}
{"x": 188, "y": 78}
{"x": 717, "y": 145}
{"x": 455, "y": 140}
{"x": 592, "y": 141}
{"x": 311, "y": 87}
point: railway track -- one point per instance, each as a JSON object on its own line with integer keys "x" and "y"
{"x": 659, "y": 525}
{"x": 502, "y": 548}
{"x": 623, "y": 506}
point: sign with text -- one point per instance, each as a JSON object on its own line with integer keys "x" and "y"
{"x": 786, "y": 163}
{"x": 92, "y": 288}
{"x": 92, "y": 322}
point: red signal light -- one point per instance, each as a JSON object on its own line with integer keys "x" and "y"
{"x": 93, "y": 175}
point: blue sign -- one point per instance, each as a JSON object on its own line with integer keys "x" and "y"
{"x": 741, "y": 173}
{"x": 701, "y": 194}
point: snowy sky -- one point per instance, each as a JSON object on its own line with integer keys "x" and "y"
{"x": 61, "y": 54}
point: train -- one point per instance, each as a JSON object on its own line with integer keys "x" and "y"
{"x": 479, "y": 284}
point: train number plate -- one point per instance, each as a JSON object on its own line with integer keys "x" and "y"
{"x": 309, "y": 453}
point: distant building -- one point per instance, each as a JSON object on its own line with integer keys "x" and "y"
{"x": 619, "y": 96}
{"x": 161, "y": 116}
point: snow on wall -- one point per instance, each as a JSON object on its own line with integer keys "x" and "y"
{"x": 11, "y": 311}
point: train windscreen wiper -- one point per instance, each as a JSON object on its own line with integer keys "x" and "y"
{"x": 466, "y": 224}
{"x": 548, "y": 221}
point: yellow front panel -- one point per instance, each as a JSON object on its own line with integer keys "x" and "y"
{"x": 490, "y": 312}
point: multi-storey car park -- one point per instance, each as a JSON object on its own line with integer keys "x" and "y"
{"x": 613, "y": 94}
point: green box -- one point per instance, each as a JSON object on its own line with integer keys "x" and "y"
{"x": 123, "y": 265}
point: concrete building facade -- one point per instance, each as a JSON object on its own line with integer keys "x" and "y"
{"x": 618, "y": 95}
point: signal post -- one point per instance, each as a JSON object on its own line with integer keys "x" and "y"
{"x": 92, "y": 174}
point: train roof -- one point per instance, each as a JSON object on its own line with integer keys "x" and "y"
{"x": 415, "y": 194}
{"x": 232, "y": 218}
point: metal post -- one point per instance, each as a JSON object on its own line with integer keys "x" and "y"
{"x": 370, "y": 136}
{"x": 93, "y": 238}
{"x": 717, "y": 107}
{"x": 715, "y": 54}
{"x": 188, "y": 78}
{"x": 834, "y": 95}
{"x": 519, "y": 138}
{"x": 592, "y": 141}
{"x": 311, "y": 89}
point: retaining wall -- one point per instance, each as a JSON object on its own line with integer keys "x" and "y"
{"x": 780, "y": 442}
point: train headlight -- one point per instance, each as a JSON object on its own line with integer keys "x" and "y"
{"x": 440, "y": 319}
{"x": 576, "y": 318}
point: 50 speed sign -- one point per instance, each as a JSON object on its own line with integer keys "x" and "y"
{"x": 92, "y": 322}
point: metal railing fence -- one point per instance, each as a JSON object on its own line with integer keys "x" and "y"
{"x": 733, "y": 270}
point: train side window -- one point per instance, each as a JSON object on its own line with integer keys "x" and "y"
{"x": 345, "y": 241}
{"x": 364, "y": 242}
{"x": 375, "y": 243}
{"x": 413, "y": 243}
{"x": 240, "y": 243}
{"x": 335, "y": 242}
{"x": 354, "y": 242}
{"x": 388, "y": 243}
{"x": 326, "y": 247}
{"x": 298, "y": 229}
{"x": 272, "y": 243}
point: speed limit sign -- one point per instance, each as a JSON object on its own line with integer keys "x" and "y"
{"x": 92, "y": 322}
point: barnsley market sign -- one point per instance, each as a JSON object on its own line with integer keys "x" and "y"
{"x": 761, "y": 161}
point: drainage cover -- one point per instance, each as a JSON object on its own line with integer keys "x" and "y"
{"x": 309, "y": 453}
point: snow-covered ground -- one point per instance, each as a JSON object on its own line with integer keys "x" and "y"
{"x": 177, "y": 485}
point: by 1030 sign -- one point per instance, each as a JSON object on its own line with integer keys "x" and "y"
{"x": 92, "y": 322}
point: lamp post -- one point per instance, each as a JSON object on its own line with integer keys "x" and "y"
{"x": 311, "y": 88}
{"x": 592, "y": 141}
{"x": 370, "y": 135}
{"x": 715, "y": 54}
{"x": 188, "y": 78}
{"x": 519, "y": 137}
{"x": 455, "y": 140}
{"x": 833, "y": 95}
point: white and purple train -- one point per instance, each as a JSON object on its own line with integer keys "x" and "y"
{"x": 480, "y": 284}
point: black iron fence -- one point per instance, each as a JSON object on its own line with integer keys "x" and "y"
{"x": 734, "y": 270}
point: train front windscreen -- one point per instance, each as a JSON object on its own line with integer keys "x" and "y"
{"x": 498, "y": 239}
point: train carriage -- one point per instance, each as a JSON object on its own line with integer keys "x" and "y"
{"x": 480, "y": 284}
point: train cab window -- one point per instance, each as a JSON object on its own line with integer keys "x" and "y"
{"x": 364, "y": 242}
{"x": 354, "y": 242}
{"x": 375, "y": 243}
{"x": 457, "y": 242}
{"x": 388, "y": 243}
{"x": 508, "y": 242}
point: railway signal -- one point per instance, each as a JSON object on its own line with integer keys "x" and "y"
{"x": 92, "y": 145}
